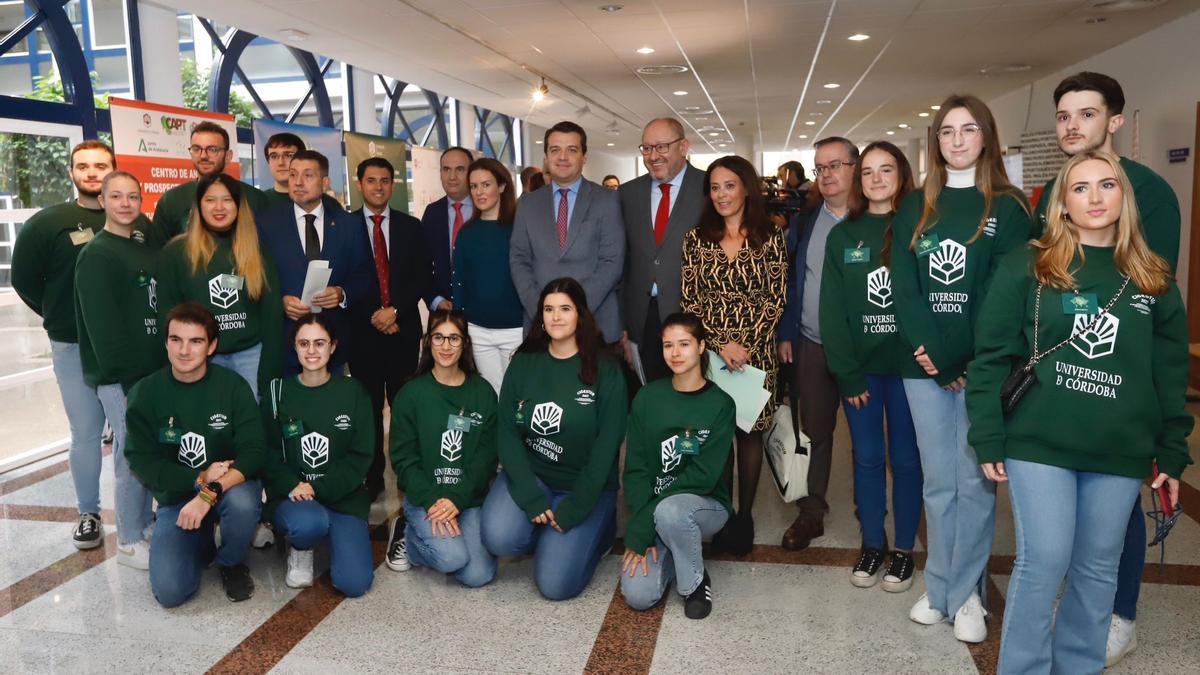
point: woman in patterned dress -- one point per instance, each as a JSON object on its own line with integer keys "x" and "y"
{"x": 735, "y": 280}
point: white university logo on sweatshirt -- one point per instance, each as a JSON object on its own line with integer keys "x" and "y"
{"x": 948, "y": 264}
{"x": 314, "y": 449}
{"x": 191, "y": 450}
{"x": 670, "y": 457}
{"x": 1101, "y": 340}
{"x": 152, "y": 294}
{"x": 220, "y": 296}
{"x": 547, "y": 418}
{"x": 879, "y": 288}
{"x": 452, "y": 444}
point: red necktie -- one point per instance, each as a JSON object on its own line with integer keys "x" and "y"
{"x": 381, "y": 262}
{"x": 662, "y": 214}
{"x": 562, "y": 220}
{"x": 458, "y": 223}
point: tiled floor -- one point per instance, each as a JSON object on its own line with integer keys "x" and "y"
{"x": 775, "y": 611}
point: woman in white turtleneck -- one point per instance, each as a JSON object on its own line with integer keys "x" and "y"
{"x": 948, "y": 239}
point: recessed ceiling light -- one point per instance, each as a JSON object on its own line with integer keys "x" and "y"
{"x": 1125, "y": 5}
{"x": 935, "y": 107}
{"x": 722, "y": 145}
{"x": 611, "y": 8}
{"x": 889, "y": 132}
{"x": 645, "y": 50}
{"x": 294, "y": 34}
{"x": 714, "y": 133}
{"x": 824, "y": 101}
{"x": 923, "y": 114}
{"x": 902, "y": 125}
{"x": 803, "y": 135}
{"x": 666, "y": 69}
{"x": 538, "y": 142}
{"x": 610, "y": 144}
{"x": 1005, "y": 69}
{"x": 859, "y": 37}
{"x": 680, "y": 93}
{"x": 810, "y": 123}
{"x": 832, "y": 85}
{"x": 815, "y": 114}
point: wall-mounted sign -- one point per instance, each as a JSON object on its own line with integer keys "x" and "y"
{"x": 1176, "y": 155}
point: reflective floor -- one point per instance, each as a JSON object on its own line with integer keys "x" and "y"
{"x": 64, "y": 611}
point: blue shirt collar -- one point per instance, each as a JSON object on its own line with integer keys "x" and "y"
{"x": 675, "y": 182}
{"x": 573, "y": 187}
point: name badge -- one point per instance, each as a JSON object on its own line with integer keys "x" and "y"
{"x": 856, "y": 255}
{"x": 687, "y": 445}
{"x": 519, "y": 418}
{"x": 82, "y": 236}
{"x": 458, "y": 423}
{"x": 169, "y": 434}
{"x": 143, "y": 279}
{"x": 293, "y": 428}
{"x": 927, "y": 244}
{"x": 231, "y": 282}
{"x": 1080, "y": 303}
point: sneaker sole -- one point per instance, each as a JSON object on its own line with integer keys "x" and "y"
{"x": 970, "y": 639}
{"x": 1116, "y": 658}
{"x": 396, "y": 567}
{"x": 290, "y": 584}
{"x": 87, "y": 545}
{"x": 122, "y": 560}
{"x": 864, "y": 582}
{"x": 897, "y": 586}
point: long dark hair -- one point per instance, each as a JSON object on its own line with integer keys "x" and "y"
{"x": 508, "y": 196}
{"x": 587, "y": 336}
{"x": 755, "y": 223}
{"x": 437, "y": 317}
{"x": 858, "y": 199}
{"x": 692, "y": 324}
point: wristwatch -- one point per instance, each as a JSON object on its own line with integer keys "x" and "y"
{"x": 215, "y": 487}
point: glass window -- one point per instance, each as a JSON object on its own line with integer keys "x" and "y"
{"x": 33, "y": 170}
{"x": 112, "y": 74}
{"x": 185, "y": 28}
{"x": 15, "y": 79}
{"x": 12, "y": 14}
{"x": 108, "y": 23}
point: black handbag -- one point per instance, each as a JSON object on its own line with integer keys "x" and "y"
{"x": 1023, "y": 376}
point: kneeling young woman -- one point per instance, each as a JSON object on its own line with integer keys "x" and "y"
{"x": 680, "y": 436}
{"x": 1102, "y": 318}
{"x": 562, "y": 419}
{"x": 320, "y": 439}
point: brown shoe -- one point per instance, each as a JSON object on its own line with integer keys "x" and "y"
{"x": 804, "y": 529}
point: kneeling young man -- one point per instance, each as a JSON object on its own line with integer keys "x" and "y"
{"x": 196, "y": 440}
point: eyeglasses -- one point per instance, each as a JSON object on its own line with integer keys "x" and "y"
{"x": 273, "y": 156}
{"x": 206, "y": 149}
{"x": 660, "y": 148}
{"x": 968, "y": 131}
{"x": 830, "y": 167}
{"x": 438, "y": 339}
{"x": 319, "y": 343}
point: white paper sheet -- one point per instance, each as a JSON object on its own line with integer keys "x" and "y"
{"x": 315, "y": 281}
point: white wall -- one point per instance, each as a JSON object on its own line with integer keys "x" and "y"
{"x": 1161, "y": 78}
{"x": 602, "y": 161}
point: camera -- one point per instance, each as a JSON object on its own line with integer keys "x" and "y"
{"x": 781, "y": 200}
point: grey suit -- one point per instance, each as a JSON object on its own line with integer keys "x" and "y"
{"x": 647, "y": 263}
{"x": 594, "y": 255}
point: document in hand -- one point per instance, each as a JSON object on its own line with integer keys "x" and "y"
{"x": 744, "y": 387}
{"x": 315, "y": 281}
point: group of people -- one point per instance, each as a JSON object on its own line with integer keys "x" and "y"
{"x": 915, "y": 309}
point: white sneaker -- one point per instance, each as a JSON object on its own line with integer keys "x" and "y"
{"x": 263, "y": 536}
{"x": 300, "y": 568}
{"x": 1122, "y": 639}
{"x": 922, "y": 613}
{"x": 969, "y": 623}
{"x": 135, "y": 555}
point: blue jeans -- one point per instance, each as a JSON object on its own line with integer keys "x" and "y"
{"x": 135, "y": 503}
{"x": 563, "y": 562}
{"x": 463, "y": 556}
{"x": 178, "y": 557}
{"x": 308, "y": 523}
{"x": 960, "y": 503}
{"x": 1133, "y": 561}
{"x": 85, "y": 416}
{"x": 1069, "y": 524}
{"x": 244, "y": 363}
{"x": 886, "y": 394}
{"x": 681, "y": 521}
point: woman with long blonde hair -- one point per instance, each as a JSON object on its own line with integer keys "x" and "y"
{"x": 947, "y": 239}
{"x": 1104, "y": 325}
{"x": 218, "y": 263}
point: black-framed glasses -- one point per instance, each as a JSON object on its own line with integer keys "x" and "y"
{"x": 831, "y": 167}
{"x": 439, "y": 339}
{"x": 660, "y": 148}
{"x": 206, "y": 149}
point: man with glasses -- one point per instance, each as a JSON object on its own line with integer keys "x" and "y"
{"x": 800, "y": 330}
{"x": 658, "y": 208}
{"x": 278, "y": 151}
{"x": 210, "y": 151}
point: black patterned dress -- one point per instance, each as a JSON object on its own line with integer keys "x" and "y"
{"x": 739, "y": 300}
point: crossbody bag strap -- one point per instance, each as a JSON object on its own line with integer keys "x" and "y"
{"x": 1091, "y": 325}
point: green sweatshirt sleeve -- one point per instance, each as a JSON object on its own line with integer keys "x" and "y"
{"x": 1012, "y": 232}
{"x": 1169, "y": 363}
{"x": 157, "y": 469}
{"x": 836, "y": 334}
{"x": 347, "y": 474}
{"x": 1038, "y": 224}
{"x": 171, "y": 266}
{"x": 637, "y": 481}
{"x": 514, "y": 458}
{"x": 575, "y": 507}
{"x": 916, "y": 321}
{"x": 250, "y": 447}
{"x": 100, "y": 309}
{"x": 405, "y": 450}
{"x": 999, "y": 338}
{"x": 28, "y": 272}
{"x": 1159, "y": 210}
{"x": 278, "y": 478}
{"x": 481, "y": 465}
{"x": 270, "y": 361}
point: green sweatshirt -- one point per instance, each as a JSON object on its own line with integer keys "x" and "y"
{"x": 323, "y": 436}
{"x": 434, "y": 461}
{"x": 43, "y": 261}
{"x": 1157, "y": 205}
{"x": 938, "y": 294}
{"x": 116, "y": 311}
{"x": 858, "y": 320}
{"x": 174, "y": 208}
{"x": 273, "y": 198}
{"x": 1109, "y": 401}
{"x": 568, "y": 434}
{"x": 244, "y": 322}
{"x": 211, "y": 420}
{"x": 655, "y": 467}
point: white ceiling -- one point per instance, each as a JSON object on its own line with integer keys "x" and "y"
{"x": 760, "y": 65}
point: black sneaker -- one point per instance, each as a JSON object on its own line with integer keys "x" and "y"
{"x": 237, "y": 582}
{"x": 89, "y": 533}
{"x": 699, "y": 603}
{"x": 866, "y": 572}
{"x": 397, "y": 551}
{"x": 899, "y": 574}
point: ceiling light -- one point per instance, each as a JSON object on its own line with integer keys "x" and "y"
{"x": 541, "y": 92}
{"x": 611, "y": 8}
{"x": 293, "y": 34}
{"x": 680, "y": 93}
{"x": 538, "y": 142}
{"x": 859, "y": 37}
{"x": 923, "y": 114}
{"x": 665, "y": 69}
{"x": 815, "y": 114}
{"x": 645, "y": 50}
{"x": 935, "y": 107}
{"x": 803, "y": 135}
{"x": 832, "y": 85}
{"x": 810, "y": 123}
{"x": 1125, "y": 5}
{"x": 714, "y": 133}
{"x": 612, "y": 129}
{"x": 889, "y": 132}
{"x": 722, "y": 145}
{"x": 1005, "y": 69}
{"x": 610, "y": 144}
{"x": 824, "y": 101}
{"x": 902, "y": 125}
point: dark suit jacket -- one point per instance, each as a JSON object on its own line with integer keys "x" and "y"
{"x": 594, "y": 255}
{"x": 409, "y": 278}
{"x": 798, "y": 238}
{"x": 647, "y": 263}
{"x": 344, "y": 245}
{"x": 436, "y": 223}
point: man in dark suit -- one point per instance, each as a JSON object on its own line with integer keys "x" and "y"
{"x": 658, "y": 208}
{"x": 304, "y": 230}
{"x": 387, "y": 324}
{"x": 443, "y": 219}
{"x": 573, "y": 229}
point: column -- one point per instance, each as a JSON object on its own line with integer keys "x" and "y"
{"x": 160, "y": 53}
